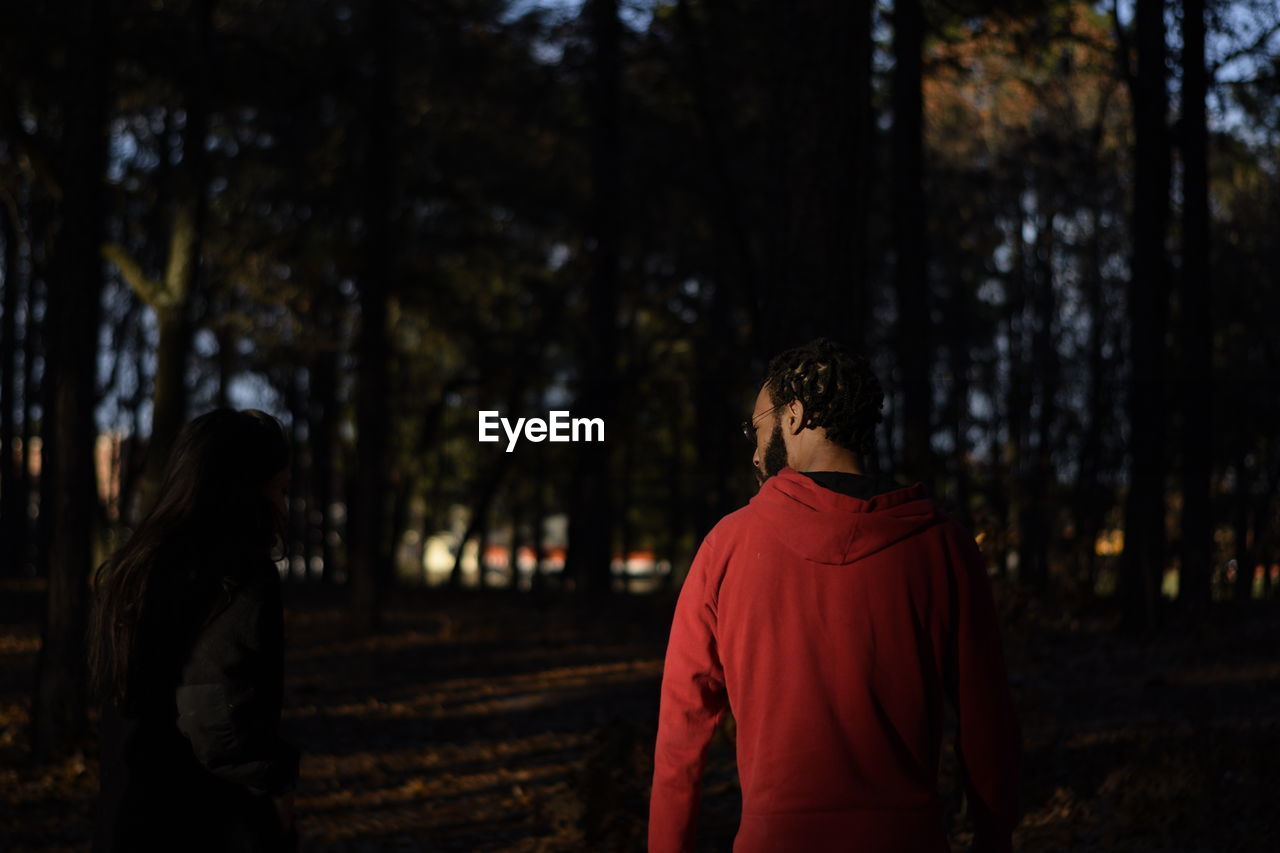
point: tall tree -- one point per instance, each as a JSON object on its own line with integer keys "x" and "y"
{"x": 367, "y": 547}
{"x": 1036, "y": 523}
{"x": 846, "y": 164}
{"x": 1196, "y": 316}
{"x": 818, "y": 93}
{"x": 1088, "y": 500}
{"x": 910, "y": 239}
{"x": 725, "y": 196}
{"x": 323, "y": 440}
{"x": 75, "y": 289}
{"x": 32, "y": 343}
{"x": 1020, "y": 295}
{"x": 172, "y": 295}
{"x": 12, "y": 501}
{"x": 1144, "y": 538}
{"x": 591, "y": 510}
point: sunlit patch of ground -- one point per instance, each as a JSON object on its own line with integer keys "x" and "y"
{"x": 493, "y": 723}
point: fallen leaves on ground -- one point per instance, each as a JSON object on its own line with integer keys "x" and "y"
{"x": 497, "y": 722}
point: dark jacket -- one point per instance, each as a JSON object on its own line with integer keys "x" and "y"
{"x": 194, "y": 759}
{"x": 835, "y": 628}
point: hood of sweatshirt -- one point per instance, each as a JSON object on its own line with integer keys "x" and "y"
{"x": 827, "y": 527}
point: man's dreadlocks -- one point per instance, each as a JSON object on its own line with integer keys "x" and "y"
{"x": 836, "y": 387}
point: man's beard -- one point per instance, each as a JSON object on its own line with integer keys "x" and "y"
{"x": 775, "y": 456}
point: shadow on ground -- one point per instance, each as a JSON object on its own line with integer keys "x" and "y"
{"x": 493, "y": 722}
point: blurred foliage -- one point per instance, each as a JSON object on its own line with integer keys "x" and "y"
{"x": 724, "y": 162}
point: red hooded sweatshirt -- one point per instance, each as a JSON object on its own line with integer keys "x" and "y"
{"x": 834, "y": 627}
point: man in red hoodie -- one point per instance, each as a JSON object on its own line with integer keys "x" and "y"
{"x": 834, "y": 614}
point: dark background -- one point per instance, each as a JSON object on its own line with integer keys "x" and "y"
{"x": 1051, "y": 225}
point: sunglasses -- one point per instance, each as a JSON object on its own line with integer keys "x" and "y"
{"x": 749, "y": 426}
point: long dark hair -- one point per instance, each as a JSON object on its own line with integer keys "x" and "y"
{"x": 210, "y": 518}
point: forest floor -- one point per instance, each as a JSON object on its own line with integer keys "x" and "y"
{"x": 493, "y": 722}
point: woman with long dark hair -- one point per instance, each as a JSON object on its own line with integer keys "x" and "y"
{"x": 186, "y": 652}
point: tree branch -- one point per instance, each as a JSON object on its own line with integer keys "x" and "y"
{"x": 182, "y": 242}
{"x": 172, "y": 289}
{"x": 1258, "y": 44}
{"x": 148, "y": 289}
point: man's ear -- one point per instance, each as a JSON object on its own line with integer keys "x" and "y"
{"x": 795, "y": 415}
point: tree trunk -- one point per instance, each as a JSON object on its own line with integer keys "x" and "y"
{"x": 725, "y": 196}
{"x": 820, "y": 84}
{"x": 172, "y": 297}
{"x": 858, "y": 141}
{"x": 323, "y": 440}
{"x": 998, "y": 480}
{"x": 626, "y": 532}
{"x": 368, "y": 505}
{"x": 910, "y": 240}
{"x": 135, "y": 458}
{"x": 513, "y": 550}
{"x": 59, "y": 713}
{"x": 1018, "y": 396}
{"x": 961, "y": 310}
{"x": 48, "y": 391}
{"x": 1243, "y": 552}
{"x": 677, "y": 511}
{"x": 1090, "y": 507}
{"x": 716, "y": 414}
{"x": 1088, "y": 498}
{"x": 591, "y": 512}
{"x": 402, "y": 485}
{"x": 478, "y": 520}
{"x": 482, "y": 548}
{"x": 844, "y": 168}
{"x": 538, "y": 581}
{"x": 1143, "y": 561}
{"x": 1260, "y": 566}
{"x": 1263, "y": 545}
{"x": 31, "y": 395}
{"x": 299, "y": 505}
{"x": 169, "y": 398}
{"x": 1196, "y": 316}
{"x": 1037, "y": 521}
{"x": 12, "y": 509}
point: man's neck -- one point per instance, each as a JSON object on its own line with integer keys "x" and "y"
{"x": 830, "y": 459}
